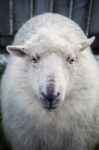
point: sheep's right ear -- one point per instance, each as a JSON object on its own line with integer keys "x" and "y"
{"x": 17, "y": 50}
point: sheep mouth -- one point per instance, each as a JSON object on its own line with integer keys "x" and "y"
{"x": 50, "y": 107}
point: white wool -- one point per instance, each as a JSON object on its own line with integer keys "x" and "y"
{"x": 74, "y": 124}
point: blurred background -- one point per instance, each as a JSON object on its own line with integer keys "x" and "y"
{"x": 13, "y": 13}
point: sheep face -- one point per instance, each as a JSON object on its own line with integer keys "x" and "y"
{"x": 49, "y": 79}
{"x": 52, "y": 68}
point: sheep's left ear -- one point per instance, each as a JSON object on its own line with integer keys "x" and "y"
{"x": 85, "y": 44}
{"x": 17, "y": 50}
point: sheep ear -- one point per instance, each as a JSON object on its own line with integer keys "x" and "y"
{"x": 16, "y": 50}
{"x": 85, "y": 44}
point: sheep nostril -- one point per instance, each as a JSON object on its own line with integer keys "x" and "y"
{"x": 57, "y": 94}
{"x": 50, "y": 96}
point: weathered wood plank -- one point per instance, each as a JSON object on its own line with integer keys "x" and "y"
{"x": 4, "y": 17}
{"x": 61, "y": 7}
{"x": 80, "y": 12}
{"x": 94, "y": 27}
{"x": 21, "y": 13}
{"x": 41, "y": 6}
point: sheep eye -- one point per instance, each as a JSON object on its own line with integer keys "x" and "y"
{"x": 36, "y": 59}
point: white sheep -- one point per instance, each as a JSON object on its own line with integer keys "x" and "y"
{"x": 50, "y": 89}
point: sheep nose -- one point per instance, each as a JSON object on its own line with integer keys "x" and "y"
{"x": 50, "y": 96}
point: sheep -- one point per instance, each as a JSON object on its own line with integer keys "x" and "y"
{"x": 50, "y": 88}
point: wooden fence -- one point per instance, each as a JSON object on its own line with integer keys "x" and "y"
{"x": 13, "y": 13}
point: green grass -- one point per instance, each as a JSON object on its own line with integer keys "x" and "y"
{"x": 3, "y": 143}
{"x": 97, "y": 147}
